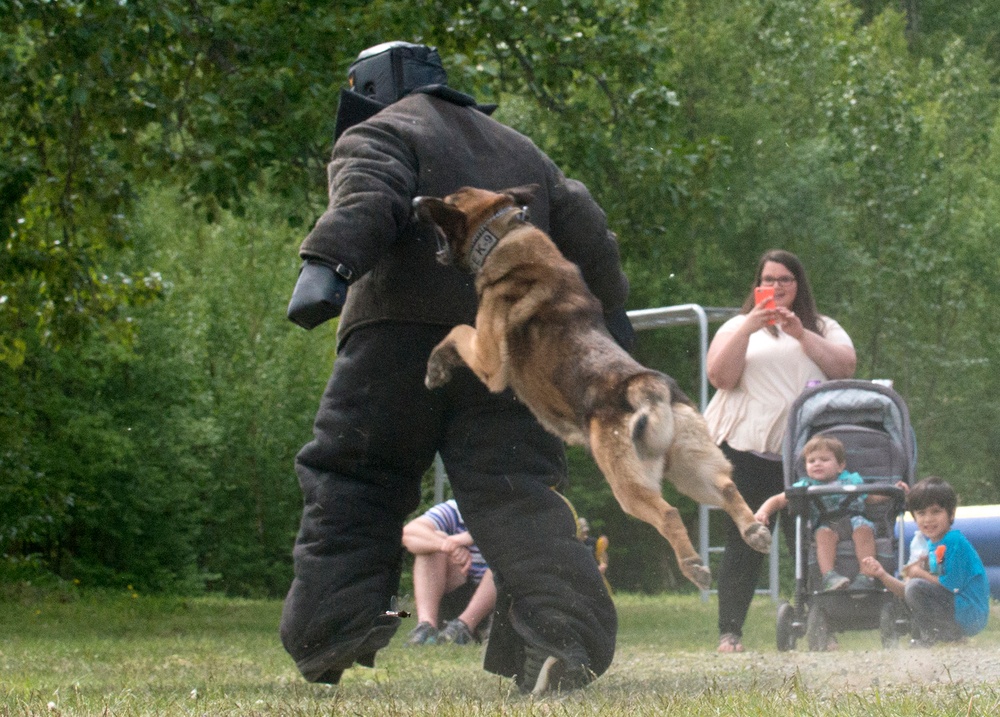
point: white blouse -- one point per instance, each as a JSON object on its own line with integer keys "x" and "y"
{"x": 753, "y": 415}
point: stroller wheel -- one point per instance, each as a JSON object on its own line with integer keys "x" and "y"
{"x": 891, "y": 624}
{"x": 785, "y": 632}
{"x": 817, "y": 630}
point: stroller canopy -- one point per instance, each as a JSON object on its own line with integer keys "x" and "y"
{"x": 872, "y": 421}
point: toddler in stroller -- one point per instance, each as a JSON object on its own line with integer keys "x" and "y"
{"x": 870, "y": 422}
{"x": 834, "y": 516}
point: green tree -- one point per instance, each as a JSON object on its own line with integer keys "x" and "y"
{"x": 257, "y": 377}
{"x": 99, "y": 100}
{"x": 161, "y": 161}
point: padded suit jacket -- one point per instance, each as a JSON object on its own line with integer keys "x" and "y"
{"x": 427, "y": 145}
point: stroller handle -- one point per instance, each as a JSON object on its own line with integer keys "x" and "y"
{"x": 799, "y": 496}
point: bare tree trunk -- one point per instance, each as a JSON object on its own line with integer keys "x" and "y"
{"x": 912, "y": 10}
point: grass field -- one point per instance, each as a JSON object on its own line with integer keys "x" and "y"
{"x": 129, "y": 654}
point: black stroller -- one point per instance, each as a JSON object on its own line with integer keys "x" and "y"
{"x": 873, "y": 423}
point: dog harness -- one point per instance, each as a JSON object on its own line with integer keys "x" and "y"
{"x": 489, "y": 234}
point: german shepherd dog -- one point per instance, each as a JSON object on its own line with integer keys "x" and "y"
{"x": 541, "y": 331}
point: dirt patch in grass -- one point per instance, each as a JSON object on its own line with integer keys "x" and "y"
{"x": 821, "y": 673}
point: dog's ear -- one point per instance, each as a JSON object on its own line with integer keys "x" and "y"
{"x": 521, "y": 195}
{"x": 432, "y": 210}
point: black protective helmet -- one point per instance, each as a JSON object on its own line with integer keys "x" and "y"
{"x": 387, "y": 72}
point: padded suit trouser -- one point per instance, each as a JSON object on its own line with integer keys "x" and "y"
{"x": 375, "y": 435}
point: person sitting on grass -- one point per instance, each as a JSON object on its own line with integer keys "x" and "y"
{"x": 946, "y": 589}
{"x": 448, "y": 567}
{"x": 598, "y": 545}
{"x": 826, "y": 464}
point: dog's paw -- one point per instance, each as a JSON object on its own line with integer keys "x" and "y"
{"x": 697, "y": 572}
{"x": 438, "y": 371}
{"x": 437, "y": 375}
{"x": 442, "y": 360}
{"x": 758, "y": 537}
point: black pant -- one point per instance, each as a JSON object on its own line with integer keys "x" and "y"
{"x": 932, "y": 607}
{"x": 757, "y": 480}
{"x": 376, "y": 434}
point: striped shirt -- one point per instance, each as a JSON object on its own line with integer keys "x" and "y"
{"x": 447, "y": 519}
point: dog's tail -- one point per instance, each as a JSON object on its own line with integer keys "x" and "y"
{"x": 652, "y": 423}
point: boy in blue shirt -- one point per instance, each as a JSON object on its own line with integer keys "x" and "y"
{"x": 947, "y": 590}
{"x": 826, "y": 463}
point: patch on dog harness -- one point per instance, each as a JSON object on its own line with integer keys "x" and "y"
{"x": 482, "y": 245}
{"x": 485, "y": 240}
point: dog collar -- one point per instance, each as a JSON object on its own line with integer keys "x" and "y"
{"x": 489, "y": 234}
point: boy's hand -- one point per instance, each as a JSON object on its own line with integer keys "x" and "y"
{"x": 875, "y": 498}
{"x": 917, "y": 568}
{"x": 920, "y": 570}
{"x": 872, "y": 568}
{"x": 761, "y": 516}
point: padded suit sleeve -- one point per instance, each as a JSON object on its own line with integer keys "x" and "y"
{"x": 372, "y": 180}
{"x": 579, "y": 228}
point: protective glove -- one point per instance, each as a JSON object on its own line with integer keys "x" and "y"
{"x": 318, "y": 295}
{"x": 621, "y": 329}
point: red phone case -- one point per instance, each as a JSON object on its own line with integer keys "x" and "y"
{"x": 765, "y": 293}
{"x": 761, "y": 293}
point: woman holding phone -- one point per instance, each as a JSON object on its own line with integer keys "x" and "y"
{"x": 760, "y": 361}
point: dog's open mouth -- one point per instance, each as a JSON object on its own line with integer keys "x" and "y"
{"x": 444, "y": 254}
{"x": 422, "y": 213}
{"x": 448, "y": 221}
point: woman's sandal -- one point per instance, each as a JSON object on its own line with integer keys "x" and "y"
{"x": 730, "y": 642}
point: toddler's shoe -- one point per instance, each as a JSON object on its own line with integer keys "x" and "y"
{"x": 834, "y": 581}
{"x": 862, "y": 582}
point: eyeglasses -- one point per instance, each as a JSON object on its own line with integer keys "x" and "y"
{"x": 780, "y": 280}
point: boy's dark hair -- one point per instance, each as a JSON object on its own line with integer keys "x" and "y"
{"x": 825, "y": 443}
{"x": 932, "y": 491}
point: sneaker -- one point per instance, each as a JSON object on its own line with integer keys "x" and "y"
{"x": 456, "y": 632}
{"x": 545, "y": 672}
{"x": 423, "y": 634}
{"x": 862, "y": 582}
{"x": 834, "y": 581}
